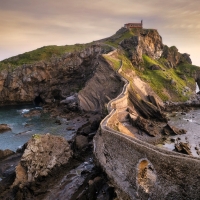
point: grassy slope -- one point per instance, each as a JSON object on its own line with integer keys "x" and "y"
{"x": 119, "y": 36}
{"x": 159, "y": 80}
{"x": 43, "y": 53}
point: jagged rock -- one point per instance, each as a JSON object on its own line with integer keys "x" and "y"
{"x": 154, "y": 101}
{"x": 171, "y": 130}
{"x": 4, "y": 127}
{"x": 42, "y": 154}
{"x": 146, "y": 126}
{"x": 149, "y": 43}
{"x": 146, "y": 109}
{"x": 185, "y": 58}
{"x": 70, "y": 99}
{"x": 183, "y": 148}
{"x": 5, "y": 153}
{"x": 173, "y": 57}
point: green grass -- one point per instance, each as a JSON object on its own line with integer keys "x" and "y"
{"x": 40, "y": 54}
{"x": 36, "y": 136}
{"x": 160, "y": 80}
{"x": 115, "y": 63}
{"x": 118, "y": 37}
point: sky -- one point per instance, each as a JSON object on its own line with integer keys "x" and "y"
{"x": 26, "y": 25}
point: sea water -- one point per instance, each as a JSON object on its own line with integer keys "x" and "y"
{"x": 189, "y": 121}
{"x": 24, "y": 127}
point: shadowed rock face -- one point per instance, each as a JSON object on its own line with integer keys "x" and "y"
{"x": 54, "y": 79}
{"x": 101, "y": 88}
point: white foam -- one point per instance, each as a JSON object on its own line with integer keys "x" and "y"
{"x": 25, "y": 111}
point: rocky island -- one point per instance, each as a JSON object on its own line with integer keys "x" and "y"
{"x": 118, "y": 93}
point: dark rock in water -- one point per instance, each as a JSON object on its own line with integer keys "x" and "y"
{"x": 42, "y": 154}
{"x": 183, "y": 148}
{"x": 33, "y": 113}
{"x": 94, "y": 186}
{"x": 81, "y": 142}
{"x": 5, "y": 153}
{"x": 7, "y": 171}
{"x": 173, "y": 140}
{"x": 4, "y": 127}
{"x": 171, "y": 130}
{"x": 95, "y": 123}
{"x": 58, "y": 122}
{"x": 183, "y": 113}
{"x": 21, "y": 149}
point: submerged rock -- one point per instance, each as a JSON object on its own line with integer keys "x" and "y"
{"x": 5, "y": 153}
{"x": 42, "y": 154}
{"x": 4, "y": 127}
{"x": 171, "y": 130}
{"x": 33, "y": 113}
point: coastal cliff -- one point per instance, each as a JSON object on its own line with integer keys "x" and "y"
{"x": 125, "y": 78}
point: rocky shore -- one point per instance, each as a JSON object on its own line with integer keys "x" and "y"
{"x": 49, "y": 167}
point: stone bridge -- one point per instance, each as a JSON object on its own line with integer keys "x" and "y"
{"x": 140, "y": 170}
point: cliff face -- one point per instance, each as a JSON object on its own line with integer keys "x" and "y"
{"x": 147, "y": 42}
{"x": 101, "y": 88}
{"x": 52, "y": 80}
{"x": 60, "y": 76}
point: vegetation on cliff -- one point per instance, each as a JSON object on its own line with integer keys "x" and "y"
{"x": 169, "y": 73}
{"x": 40, "y": 54}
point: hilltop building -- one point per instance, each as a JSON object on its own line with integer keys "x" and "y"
{"x": 134, "y": 25}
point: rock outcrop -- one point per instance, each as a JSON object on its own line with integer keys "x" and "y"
{"x": 148, "y": 42}
{"x": 173, "y": 57}
{"x": 5, "y": 153}
{"x": 53, "y": 79}
{"x": 4, "y": 127}
{"x": 42, "y": 155}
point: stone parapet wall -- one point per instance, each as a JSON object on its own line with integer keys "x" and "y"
{"x": 140, "y": 170}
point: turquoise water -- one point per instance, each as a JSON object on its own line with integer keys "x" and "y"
{"x": 23, "y": 128}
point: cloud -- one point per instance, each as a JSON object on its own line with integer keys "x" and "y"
{"x": 26, "y": 25}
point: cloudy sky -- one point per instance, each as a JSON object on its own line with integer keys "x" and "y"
{"x": 29, "y": 24}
